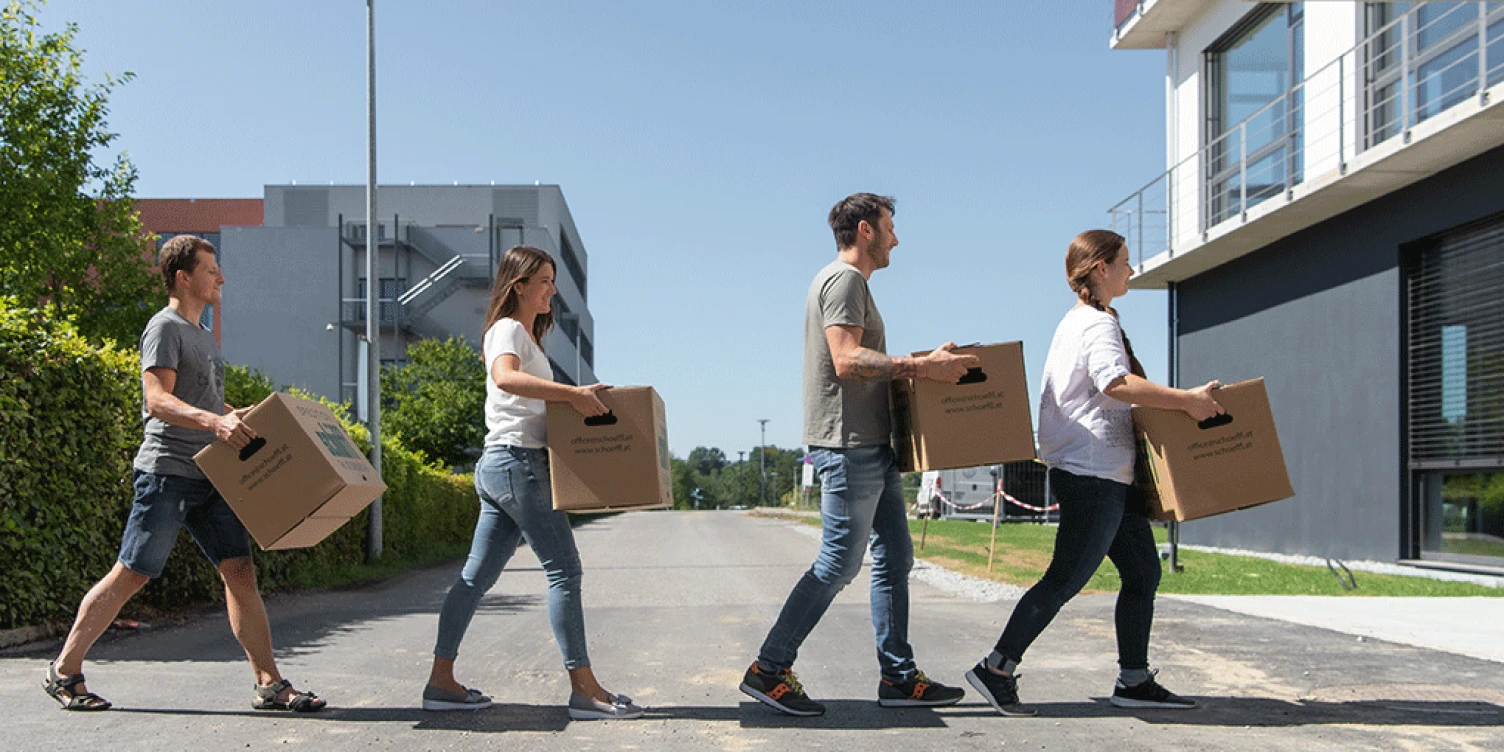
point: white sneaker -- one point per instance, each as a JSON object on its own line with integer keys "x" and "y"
{"x": 439, "y": 699}
{"x": 582, "y": 708}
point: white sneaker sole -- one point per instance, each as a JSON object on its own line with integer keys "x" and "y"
{"x": 976, "y": 683}
{"x": 443, "y": 705}
{"x": 906, "y": 703}
{"x": 774, "y": 704}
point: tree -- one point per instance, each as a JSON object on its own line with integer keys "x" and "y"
{"x": 707, "y": 460}
{"x": 436, "y": 403}
{"x": 70, "y": 237}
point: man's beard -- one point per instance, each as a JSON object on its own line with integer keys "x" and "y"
{"x": 876, "y": 253}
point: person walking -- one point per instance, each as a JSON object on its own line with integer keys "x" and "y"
{"x": 1091, "y": 381}
{"x": 516, "y": 499}
{"x": 848, "y": 427}
{"x": 183, "y": 408}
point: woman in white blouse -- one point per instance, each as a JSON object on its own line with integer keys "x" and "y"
{"x": 516, "y": 501}
{"x": 1091, "y": 381}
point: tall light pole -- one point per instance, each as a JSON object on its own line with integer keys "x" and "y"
{"x": 762, "y": 466}
{"x": 373, "y": 286}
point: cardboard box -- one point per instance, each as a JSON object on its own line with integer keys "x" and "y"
{"x": 299, "y": 481}
{"x": 1190, "y": 470}
{"x": 983, "y": 420}
{"x": 615, "y": 461}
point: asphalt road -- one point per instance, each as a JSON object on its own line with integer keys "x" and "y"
{"x": 676, "y": 606}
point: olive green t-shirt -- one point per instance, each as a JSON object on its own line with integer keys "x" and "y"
{"x": 842, "y": 413}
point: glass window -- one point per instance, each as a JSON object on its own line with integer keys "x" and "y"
{"x": 1464, "y": 517}
{"x": 1423, "y": 59}
{"x": 1254, "y": 110}
{"x": 391, "y": 289}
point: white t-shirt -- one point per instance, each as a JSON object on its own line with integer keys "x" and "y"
{"x": 1082, "y": 430}
{"x": 513, "y": 420}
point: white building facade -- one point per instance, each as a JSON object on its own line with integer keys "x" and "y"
{"x": 1331, "y": 218}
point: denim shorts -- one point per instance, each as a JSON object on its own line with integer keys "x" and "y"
{"x": 165, "y": 503}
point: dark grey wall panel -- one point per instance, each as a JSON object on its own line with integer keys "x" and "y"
{"x": 1318, "y": 315}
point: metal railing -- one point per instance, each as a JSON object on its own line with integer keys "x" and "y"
{"x": 1422, "y": 63}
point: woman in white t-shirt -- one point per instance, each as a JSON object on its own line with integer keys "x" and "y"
{"x": 1091, "y": 382}
{"x": 512, "y": 479}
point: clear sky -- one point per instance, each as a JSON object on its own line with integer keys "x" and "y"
{"x": 699, "y": 145}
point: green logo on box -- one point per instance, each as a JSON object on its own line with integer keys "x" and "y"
{"x": 336, "y": 442}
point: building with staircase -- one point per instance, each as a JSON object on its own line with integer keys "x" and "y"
{"x": 294, "y": 300}
{"x": 1331, "y": 218}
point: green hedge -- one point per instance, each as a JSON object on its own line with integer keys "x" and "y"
{"x": 69, "y": 425}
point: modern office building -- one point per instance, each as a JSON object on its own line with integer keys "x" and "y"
{"x": 294, "y": 301}
{"x": 1332, "y": 219}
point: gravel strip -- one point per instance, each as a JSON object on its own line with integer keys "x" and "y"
{"x": 1375, "y": 567}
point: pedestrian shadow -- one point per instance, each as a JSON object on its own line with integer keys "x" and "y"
{"x": 499, "y": 718}
{"x": 840, "y": 715}
{"x": 1262, "y": 712}
{"x": 303, "y": 629}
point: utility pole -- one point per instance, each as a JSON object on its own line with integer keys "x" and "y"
{"x": 373, "y": 286}
{"x": 762, "y": 468}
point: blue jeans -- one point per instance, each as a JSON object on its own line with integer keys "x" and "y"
{"x": 166, "y": 503}
{"x": 516, "y": 502}
{"x": 861, "y": 499}
{"x": 1096, "y": 520}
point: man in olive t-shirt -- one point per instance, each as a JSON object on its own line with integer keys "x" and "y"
{"x": 848, "y": 427}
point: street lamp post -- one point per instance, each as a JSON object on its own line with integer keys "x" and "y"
{"x": 762, "y": 467}
{"x": 373, "y": 286}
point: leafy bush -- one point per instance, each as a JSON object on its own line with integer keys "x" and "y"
{"x": 69, "y": 426}
{"x": 436, "y": 402}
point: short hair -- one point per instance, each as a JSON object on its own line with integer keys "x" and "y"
{"x": 851, "y": 211}
{"x": 180, "y": 254}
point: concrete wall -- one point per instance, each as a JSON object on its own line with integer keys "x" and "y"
{"x": 281, "y": 284}
{"x": 1318, "y": 315}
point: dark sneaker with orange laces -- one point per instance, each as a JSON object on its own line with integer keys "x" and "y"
{"x": 780, "y": 691}
{"x": 918, "y": 692}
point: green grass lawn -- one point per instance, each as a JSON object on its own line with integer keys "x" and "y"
{"x": 1023, "y": 552}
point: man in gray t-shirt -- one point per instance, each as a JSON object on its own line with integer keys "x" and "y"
{"x": 182, "y": 390}
{"x": 174, "y": 343}
{"x": 848, "y": 427}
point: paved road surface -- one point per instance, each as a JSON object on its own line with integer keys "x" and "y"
{"x": 676, "y": 605}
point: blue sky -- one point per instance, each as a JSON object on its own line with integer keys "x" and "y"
{"x": 699, "y": 145}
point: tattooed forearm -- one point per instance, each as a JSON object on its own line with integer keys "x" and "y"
{"x": 869, "y": 365}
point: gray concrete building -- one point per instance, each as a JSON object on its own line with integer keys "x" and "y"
{"x": 1332, "y": 219}
{"x": 294, "y": 305}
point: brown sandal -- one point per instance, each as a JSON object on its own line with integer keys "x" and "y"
{"x": 62, "y": 689}
{"x": 299, "y": 702}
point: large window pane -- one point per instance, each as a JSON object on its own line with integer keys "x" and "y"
{"x": 1464, "y": 516}
{"x": 1254, "y": 122}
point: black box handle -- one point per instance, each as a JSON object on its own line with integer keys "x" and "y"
{"x": 252, "y": 448}
{"x": 1216, "y": 421}
{"x": 608, "y": 419}
{"x": 973, "y": 376}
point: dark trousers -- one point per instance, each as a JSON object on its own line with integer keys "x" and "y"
{"x": 1097, "y": 519}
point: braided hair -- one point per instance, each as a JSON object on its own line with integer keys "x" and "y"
{"x": 1081, "y": 258}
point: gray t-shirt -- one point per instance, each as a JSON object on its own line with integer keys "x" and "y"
{"x": 839, "y": 413}
{"x": 171, "y": 341}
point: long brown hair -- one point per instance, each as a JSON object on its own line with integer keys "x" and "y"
{"x": 519, "y": 264}
{"x": 1081, "y": 258}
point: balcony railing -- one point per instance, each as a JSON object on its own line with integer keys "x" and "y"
{"x": 1122, "y": 10}
{"x": 1417, "y": 66}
